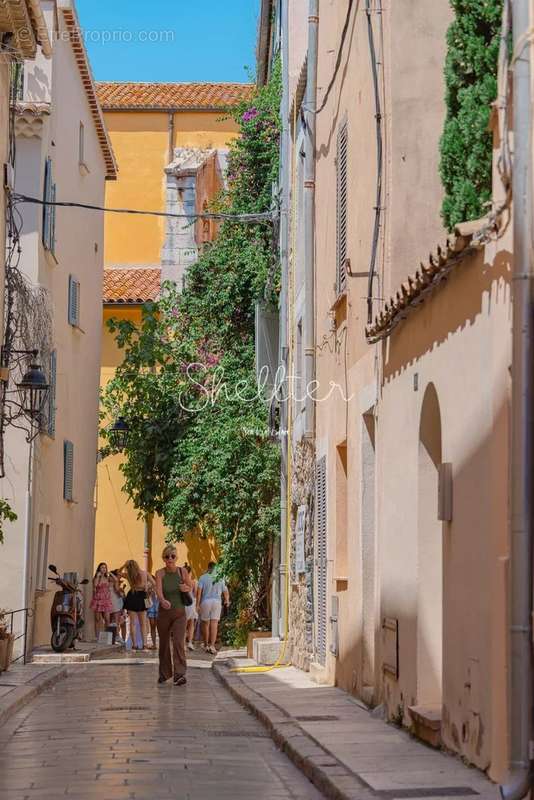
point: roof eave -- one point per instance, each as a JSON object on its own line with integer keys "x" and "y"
{"x": 167, "y": 109}
{"x": 40, "y": 27}
{"x": 264, "y": 40}
{"x": 80, "y": 54}
{"x": 466, "y": 241}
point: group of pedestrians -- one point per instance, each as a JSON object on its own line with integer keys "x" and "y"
{"x": 169, "y": 603}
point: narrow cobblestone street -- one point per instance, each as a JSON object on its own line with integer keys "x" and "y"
{"x": 109, "y": 732}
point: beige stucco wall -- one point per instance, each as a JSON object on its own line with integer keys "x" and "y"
{"x": 411, "y": 88}
{"x": 460, "y": 343}
{"x": 388, "y": 556}
{"x": 79, "y": 251}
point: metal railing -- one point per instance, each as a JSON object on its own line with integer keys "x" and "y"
{"x": 28, "y": 614}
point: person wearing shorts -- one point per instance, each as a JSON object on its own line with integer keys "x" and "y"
{"x": 191, "y": 613}
{"x": 210, "y": 594}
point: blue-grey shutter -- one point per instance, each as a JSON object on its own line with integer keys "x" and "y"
{"x": 321, "y": 558}
{"x": 68, "y": 470}
{"x": 52, "y": 394}
{"x": 52, "y": 245}
{"x": 46, "y": 197}
{"x": 266, "y": 341}
{"x": 341, "y": 208}
{"x": 74, "y": 301}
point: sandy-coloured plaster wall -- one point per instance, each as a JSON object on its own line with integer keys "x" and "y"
{"x": 141, "y": 144}
{"x": 120, "y": 533}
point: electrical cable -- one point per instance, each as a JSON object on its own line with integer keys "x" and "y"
{"x": 266, "y": 216}
{"x": 338, "y": 59}
{"x": 379, "y": 159}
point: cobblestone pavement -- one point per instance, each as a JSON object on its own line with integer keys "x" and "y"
{"x": 109, "y": 732}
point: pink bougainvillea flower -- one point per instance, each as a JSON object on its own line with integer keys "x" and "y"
{"x": 250, "y": 114}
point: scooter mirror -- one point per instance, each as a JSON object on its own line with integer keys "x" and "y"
{"x": 52, "y": 568}
{"x": 85, "y": 580}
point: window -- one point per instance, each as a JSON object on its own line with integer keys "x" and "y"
{"x": 300, "y": 387}
{"x": 68, "y": 470}
{"x": 74, "y": 302}
{"x": 49, "y": 211}
{"x": 42, "y": 556}
{"x": 81, "y": 145}
{"x": 341, "y": 209}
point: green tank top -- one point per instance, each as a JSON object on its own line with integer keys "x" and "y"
{"x": 171, "y": 592}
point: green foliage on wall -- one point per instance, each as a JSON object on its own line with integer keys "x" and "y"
{"x": 471, "y": 87}
{"x": 6, "y": 515}
{"x": 187, "y": 385}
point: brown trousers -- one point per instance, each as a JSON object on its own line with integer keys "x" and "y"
{"x": 171, "y": 624}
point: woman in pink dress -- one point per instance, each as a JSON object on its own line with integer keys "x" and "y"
{"x": 101, "y": 603}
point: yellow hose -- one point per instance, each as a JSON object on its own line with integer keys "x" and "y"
{"x": 280, "y": 660}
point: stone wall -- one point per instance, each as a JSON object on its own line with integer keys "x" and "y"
{"x": 301, "y": 585}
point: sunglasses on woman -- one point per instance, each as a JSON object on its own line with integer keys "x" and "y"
{"x": 170, "y": 558}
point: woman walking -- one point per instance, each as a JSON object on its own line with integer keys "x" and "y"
{"x": 136, "y": 601}
{"x": 101, "y": 603}
{"x": 171, "y": 581}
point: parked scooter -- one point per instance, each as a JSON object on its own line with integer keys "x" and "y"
{"x": 66, "y": 615}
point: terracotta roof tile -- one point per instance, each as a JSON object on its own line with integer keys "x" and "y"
{"x": 199, "y": 96}
{"x": 466, "y": 239}
{"x": 137, "y": 285}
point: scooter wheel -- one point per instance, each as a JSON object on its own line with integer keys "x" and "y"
{"x": 62, "y": 639}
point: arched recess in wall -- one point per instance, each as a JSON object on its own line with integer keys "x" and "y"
{"x": 430, "y": 555}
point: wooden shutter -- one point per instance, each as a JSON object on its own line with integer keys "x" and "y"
{"x": 321, "y": 558}
{"x": 68, "y": 470}
{"x": 52, "y": 372}
{"x": 74, "y": 301}
{"x": 341, "y": 208}
{"x": 47, "y": 190}
{"x": 52, "y": 243}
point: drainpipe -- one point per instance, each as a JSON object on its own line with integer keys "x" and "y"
{"x": 522, "y": 483}
{"x": 171, "y": 138}
{"x": 309, "y": 215}
{"x": 279, "y": 585}
{"x": 27, "y": 572}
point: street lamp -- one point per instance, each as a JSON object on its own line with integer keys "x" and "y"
{"x": 33, "y": 392}
{"x": 118, "y": 434}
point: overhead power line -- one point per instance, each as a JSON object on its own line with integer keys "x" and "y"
{"x": 267, "y": 216}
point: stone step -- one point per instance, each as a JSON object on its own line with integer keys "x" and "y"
{"x": 60, "y": 658}
{"x": 427, "y": 723}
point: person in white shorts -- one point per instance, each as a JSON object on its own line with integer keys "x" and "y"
{"x": 191, "y": 613}
{"x": 210, "y": 594}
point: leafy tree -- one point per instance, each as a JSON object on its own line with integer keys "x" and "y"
{"x": 187, "y": 384}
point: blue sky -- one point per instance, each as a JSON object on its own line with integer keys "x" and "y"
{"x": 213, "y": 40}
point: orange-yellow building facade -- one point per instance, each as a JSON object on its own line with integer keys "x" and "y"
{"x": 152, "y": 127}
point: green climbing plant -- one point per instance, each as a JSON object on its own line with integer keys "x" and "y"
{"x": 471, "y": 88}
{"x": 196, "y": 454}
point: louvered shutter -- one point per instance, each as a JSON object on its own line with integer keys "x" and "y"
{"x": 341, "y": 208}
{"x": 52, "y": 244}
{"x": 321, "y": 558}
{"x": 52, "y": 394}
{"x": 47, "y": 215}
{"x": 68, "y": 470}
{"x": 74, "y": 301}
